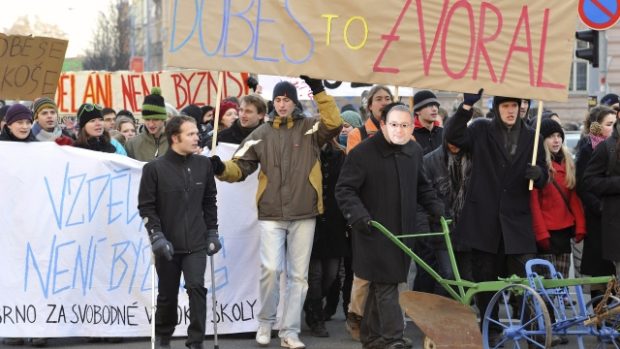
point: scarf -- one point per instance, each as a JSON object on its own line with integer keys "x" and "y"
{"x": 595, "y": 140}
{"x": 45, "y": 136}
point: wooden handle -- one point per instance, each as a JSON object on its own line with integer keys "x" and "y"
{"x": 536, "y": 137}
{"x": 216, "y": 116}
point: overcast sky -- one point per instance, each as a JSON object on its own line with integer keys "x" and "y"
{"x": 77, "y": 18}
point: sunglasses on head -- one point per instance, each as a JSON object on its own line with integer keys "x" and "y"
{"x": 89, "y": 107}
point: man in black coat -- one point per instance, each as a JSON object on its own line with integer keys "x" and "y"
{"x": 496, "y": 221}
{"x": 177, "y": 201}
{"x": 383, "y": 179}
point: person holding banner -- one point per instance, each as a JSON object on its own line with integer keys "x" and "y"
{"x": 496, "y": 221}
{"x": 383, "y": 179}
{"x": 151, "y": 143}
{"x": 177, "y": 201}
{"x": 18, "y": 125}
{"x": 92, "y": 134}
{"x": 287, "y": 148}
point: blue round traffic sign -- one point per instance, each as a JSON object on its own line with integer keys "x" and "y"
{"x": 599, "y": 14}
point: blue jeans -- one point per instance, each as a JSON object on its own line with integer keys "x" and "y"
{"x": 281, "y": 241}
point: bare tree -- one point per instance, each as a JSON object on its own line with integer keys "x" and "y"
{"x": 110, "y": 44}
{"x": 23, "y": 26}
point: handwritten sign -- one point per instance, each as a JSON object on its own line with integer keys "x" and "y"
{"x": 30, "y": 66}
{"x": 126, "y": 90}
{"x": 509, "y": 47}
{"x": 76, "y": 258}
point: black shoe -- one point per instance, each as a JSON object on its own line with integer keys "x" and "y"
{"x": 38, "y": 342}
{"x": 162, "y": 343}
{"x": 396, "y": 345}
{"x": 13, "y": 341}
{"x": 319, "y": 330}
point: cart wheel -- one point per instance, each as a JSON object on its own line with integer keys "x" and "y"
{"x": 429, "y": 344}
{"x": 528, "y": 325}
{"x": 608, "y": 332}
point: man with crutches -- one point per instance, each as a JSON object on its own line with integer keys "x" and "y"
{"x": 177, "y": 201}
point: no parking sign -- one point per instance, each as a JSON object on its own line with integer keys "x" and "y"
{"x": 599, "y": 14}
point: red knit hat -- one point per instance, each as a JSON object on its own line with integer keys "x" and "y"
{"x": 224, "y": 106}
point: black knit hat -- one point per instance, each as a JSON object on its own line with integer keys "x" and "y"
{"x": 154, "y": 106}
{"x": 610, "y": 99}
{"x": 87, "y": 112}
{"x": 549, "y": 127}
{"x": 497, "y": 100}
{"x": 194, "y": 111}
{"x": 286, "y": 89}
{"x": 423, "y": 99}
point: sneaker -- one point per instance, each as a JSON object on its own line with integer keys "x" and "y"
{"x": 292, "y": 342}
{"x": 263, "y": 334}
{"x": 353, "y": 325}
{"x": 319, "y": 330}
{"x": 13, "y": 341}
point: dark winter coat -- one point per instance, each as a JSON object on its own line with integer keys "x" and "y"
{"x": 607, "y": 187}
{"x": 497, "y": 205}
{"x": 7, "y": 135}
{"x": 330, "y": 236}
{"x": 383, "y": 182}
{"x": 592, "y": 262}
{"x": 428, "y": 140}
{"x": 178, "y": 197}
{"x": 235, "y": 134}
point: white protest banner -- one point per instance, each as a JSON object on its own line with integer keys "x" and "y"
{"x": 29, "y": 66}
{"x": 126, "y": 90}
{"x": 75, "y": 257}
{"x": 509, "y": 47}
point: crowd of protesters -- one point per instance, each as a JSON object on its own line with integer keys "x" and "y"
{"x": 324, "y": 175}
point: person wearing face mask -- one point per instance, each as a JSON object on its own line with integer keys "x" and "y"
{"x": 496, "y": 221}
{"x": 387, "y": 166}
{"x": 350, "y": 121}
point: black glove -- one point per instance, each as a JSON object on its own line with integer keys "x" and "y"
{"x": 471, "y": 98}
{"x": 217, "y": 165}
{"x": 361, "y": 226}
{"x": 315, "y": 85}
{"x": 160, "y": 246}
{"x": 252, "y": 83}
{"x": 213, "y": 242}
{"x": 435, "y": 213}
{"x": 533, "y": 172}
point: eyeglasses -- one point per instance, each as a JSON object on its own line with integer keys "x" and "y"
{"x": 397, "y": 125}
{"x": 89, "y": 107}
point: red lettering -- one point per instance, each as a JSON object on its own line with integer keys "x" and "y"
{"x": 212, "y": 83}
{"x": 389, "y": 38}
{"x": 428, "y": 58}
{"x": 89, "y": 91}
{"x": 232, "y": 77}
{"x": 195, "y": 94}
{"x": 482, "y": 41}
{"x": 524, "y": 21}
{"x": 541, "y": 56}
{"x": 62, "y": 93}
{"x": 180, "y": 92}
{"x": 128, "y": 94}
{"x": 444, "y": 60}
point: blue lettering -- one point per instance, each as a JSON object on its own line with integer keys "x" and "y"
{"x": 224, "y": 25}
{"x": 118, "y": 258}
{"x": 241, "y": 16}
{"x": 75, "y": 199}
{"x": 31, "y": 256}
{"x": 58, "y": 272}
{"x": 173, "y": 31}
{"x": 310, "y": 38}
{"x": 259, "y": 19}
{"x": 58, "y": 211}
{"x": 111, "y": 202}
{"x": 84, "y": 267}
{"x": 93, "y": 208}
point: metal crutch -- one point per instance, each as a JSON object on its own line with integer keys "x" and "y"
{"x": 152, "y": 301}
{"x": 213, "y": 299}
